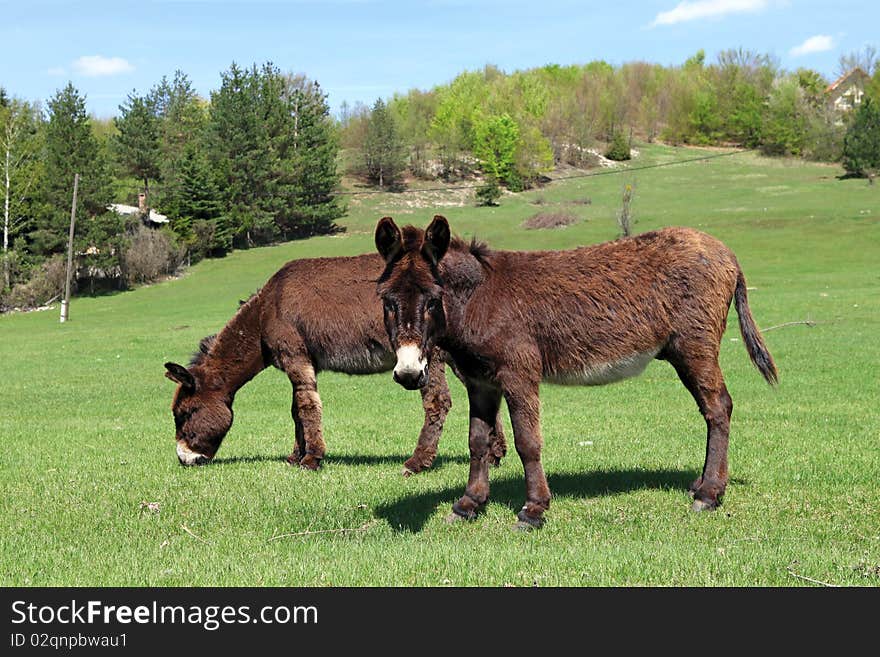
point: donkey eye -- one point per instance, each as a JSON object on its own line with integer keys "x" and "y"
{"x": 433, "y": 304}
{"x": 388, "y": 305}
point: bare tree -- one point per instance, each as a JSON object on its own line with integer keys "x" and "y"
{"x": 865, "y": 59}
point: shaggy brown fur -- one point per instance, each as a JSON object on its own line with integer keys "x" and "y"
{"x": 312, "y": 315}
{"x": 590, "y": 316}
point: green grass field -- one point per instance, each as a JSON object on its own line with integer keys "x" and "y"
{"x": 87, "y": 433}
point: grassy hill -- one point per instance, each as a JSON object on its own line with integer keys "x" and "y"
{"x": 88, "y": 434}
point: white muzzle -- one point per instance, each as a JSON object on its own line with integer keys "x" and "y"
{"x": 409, "y": 361}
{"x": 189, "y": 457}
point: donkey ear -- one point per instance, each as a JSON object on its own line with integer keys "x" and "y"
{"x": 437, "y": 238}
{"x": 179, "y": 374}
{"x": 389, "y": 241}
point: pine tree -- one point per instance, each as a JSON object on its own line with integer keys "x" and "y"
{"x": 238, "y": 146}
{"x": 182, "y": 117}
{"x": 312, "y": 158}
{"x": 384, "y": 153}
{"x": 136, "y": 146}
{"x": 70, "y": 147}
{"x": 861, "y": 146}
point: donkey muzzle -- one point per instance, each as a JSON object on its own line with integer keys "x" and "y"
{"x": 411, "y": 370}
{"x": 188, "y": 457}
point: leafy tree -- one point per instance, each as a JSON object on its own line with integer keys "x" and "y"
{"x": 785, "y": 121}
{"x": 496, "y": 139}
{"x": 861, "y": 146}
{"x": 137, "y": 146}
{"x": 384, "y": 153}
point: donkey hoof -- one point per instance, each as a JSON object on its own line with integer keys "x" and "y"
{"x": 309, "y": 462}
{"x": 528, "y": 522}
{"x": 293, "y": 459}
{"x": 406, "y": 472}
{"x": 453, "y": 518}
{"x": 703, "y": 505}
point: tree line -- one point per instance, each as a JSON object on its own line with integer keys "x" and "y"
{"x": 255, "y": 163}
{"x": 514, "y": 128}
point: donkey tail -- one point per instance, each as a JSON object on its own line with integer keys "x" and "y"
{"x": 758, "y": 351}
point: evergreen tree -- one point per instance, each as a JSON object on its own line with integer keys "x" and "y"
{"x": 182, "y": 117}
{"x": 861, "y": 146}
{"x": 239, "y": 151}
{"x": 311, "y": 161}
{"x": 136, "y": 146}
{"x": 70, "y": 147}
{"x": 384, "y": 153}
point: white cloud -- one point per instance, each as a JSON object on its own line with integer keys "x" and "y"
{"x": 691, "y": 10}
{"x": 818, "y": 43}
{"x": 96, "y": 65}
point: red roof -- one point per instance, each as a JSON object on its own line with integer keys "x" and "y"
{"x": 843, "y": 78}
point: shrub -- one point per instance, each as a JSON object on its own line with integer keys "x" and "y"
{"x": 489, "y": 193}
{"x": 45, "y": 284}
{"x": 545, "y": 220}
{"x": 150, "y": 254}
{"x": 618, "y": 150}
{"x": 625, "y": 220}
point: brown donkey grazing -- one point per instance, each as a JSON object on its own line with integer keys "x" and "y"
{"x": 588, "y": 316}
{"x": 312, "y": 315}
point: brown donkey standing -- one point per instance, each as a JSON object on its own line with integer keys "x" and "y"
{"x": 312, "y": 315}
{"x": 589, "y": 316}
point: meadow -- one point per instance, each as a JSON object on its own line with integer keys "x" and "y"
{"x": 92, "y": 495}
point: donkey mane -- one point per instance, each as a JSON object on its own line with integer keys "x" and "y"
{"x": 204, "y": 347}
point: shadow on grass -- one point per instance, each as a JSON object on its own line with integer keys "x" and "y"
{"x": 412, "y": 512}
{"x": 343, "y": 459}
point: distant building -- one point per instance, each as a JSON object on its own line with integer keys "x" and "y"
{"x": 152, "y": 217}
{"x": 847, "y": 91}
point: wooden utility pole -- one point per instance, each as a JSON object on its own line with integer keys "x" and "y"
{"x": 65, "y": 303}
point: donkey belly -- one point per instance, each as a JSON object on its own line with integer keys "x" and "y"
{"x": 601, "y": 372}
{"x": 371, "y": 358}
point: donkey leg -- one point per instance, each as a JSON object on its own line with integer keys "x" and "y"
{"x": 436, "y": 401}
{"x": 703, "y": 378}
{"x": 499, "y": 444}
{"x": 306, "y": 411}
{"x": 299, "y": 446}
{"x": 525, "y": 414}
{"x": 484, "y": 402}
{"x": 498, "y": 448}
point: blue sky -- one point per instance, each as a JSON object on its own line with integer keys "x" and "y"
{"x": 359, "y": 50}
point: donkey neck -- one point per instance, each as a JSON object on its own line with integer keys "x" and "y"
{"x": 236, "y": 354}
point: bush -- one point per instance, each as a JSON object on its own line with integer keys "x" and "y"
{"x": 489, "y": 193}
{"x": 150, "y": 254}
{"x": 618, "y": 150}
{"x": 45, "y": 284}
{"x": 861, "y": 146}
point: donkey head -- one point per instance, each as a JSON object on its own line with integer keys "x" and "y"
{"x": 412, "y": 294}
{"x": 202, "y": 415}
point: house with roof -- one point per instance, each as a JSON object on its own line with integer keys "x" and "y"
{"x": 149, "y": 217}
{"x": 847, "y": 91}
